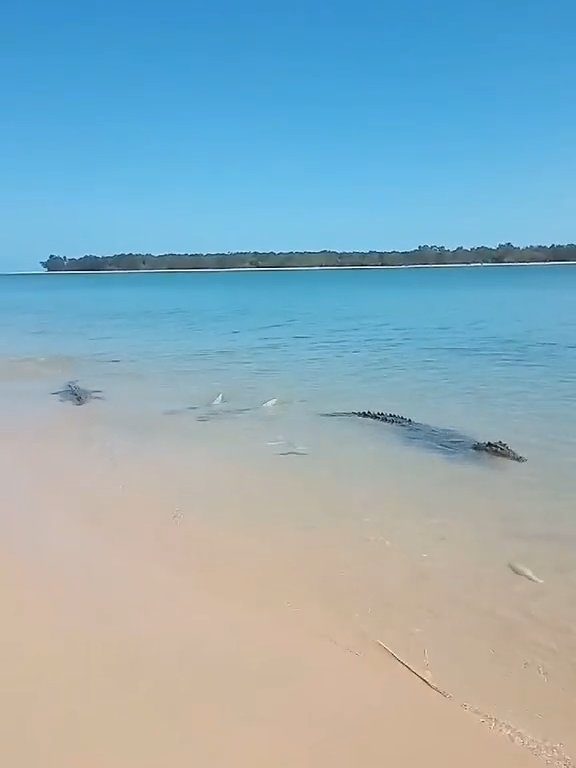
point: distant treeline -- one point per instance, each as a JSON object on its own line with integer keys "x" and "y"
{"x": 506, "y": 253}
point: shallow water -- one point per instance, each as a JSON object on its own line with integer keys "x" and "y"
{"x": 490, "y": 352}
{"x": 422, "y": 535}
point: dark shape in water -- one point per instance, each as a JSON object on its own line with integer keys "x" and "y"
{"x": 218, "y": 415}
{"x": 388, "y": 418}
{"x": 498, "y": 448}
{"x": 445, "y": 440}
{"x": 77, "y": 395}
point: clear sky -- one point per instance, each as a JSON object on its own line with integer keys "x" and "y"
{"x": 240, "y": 125}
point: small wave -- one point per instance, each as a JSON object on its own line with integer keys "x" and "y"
{"x": 31, "y": 368}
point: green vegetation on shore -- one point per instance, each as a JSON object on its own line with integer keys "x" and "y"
{"x": 505, "y": 253}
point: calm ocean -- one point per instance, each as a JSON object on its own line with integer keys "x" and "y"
{"x": 480, "y": 348}
{"x": 490, "y": 352}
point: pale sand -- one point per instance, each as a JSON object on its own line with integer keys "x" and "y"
{"x": 158, "y": 676}
{"x": 137, "y": 634}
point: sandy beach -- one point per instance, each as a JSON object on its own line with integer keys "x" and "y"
{"x": 141, "y": 632}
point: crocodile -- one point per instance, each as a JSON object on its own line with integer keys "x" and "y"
{"x": 448, "y": 441}
{"x": 77, "y": 395}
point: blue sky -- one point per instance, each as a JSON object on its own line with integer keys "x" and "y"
{"x": 193, "y": 126}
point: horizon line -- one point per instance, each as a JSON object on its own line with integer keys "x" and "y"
{"x": 288, "y": 269}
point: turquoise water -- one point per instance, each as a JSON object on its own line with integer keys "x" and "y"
{"x": 470, "y": 345}
{"x": 488, "y": 351}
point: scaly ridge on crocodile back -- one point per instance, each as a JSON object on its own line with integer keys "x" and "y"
{"x": 388, "y": 418}
{"x": 498, "y": 448}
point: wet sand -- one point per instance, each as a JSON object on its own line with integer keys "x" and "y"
{"x": 159, "y": 674}
{"x": 152, "y": 619}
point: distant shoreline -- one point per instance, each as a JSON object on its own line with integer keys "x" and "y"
{"x": 291, "y": 269}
